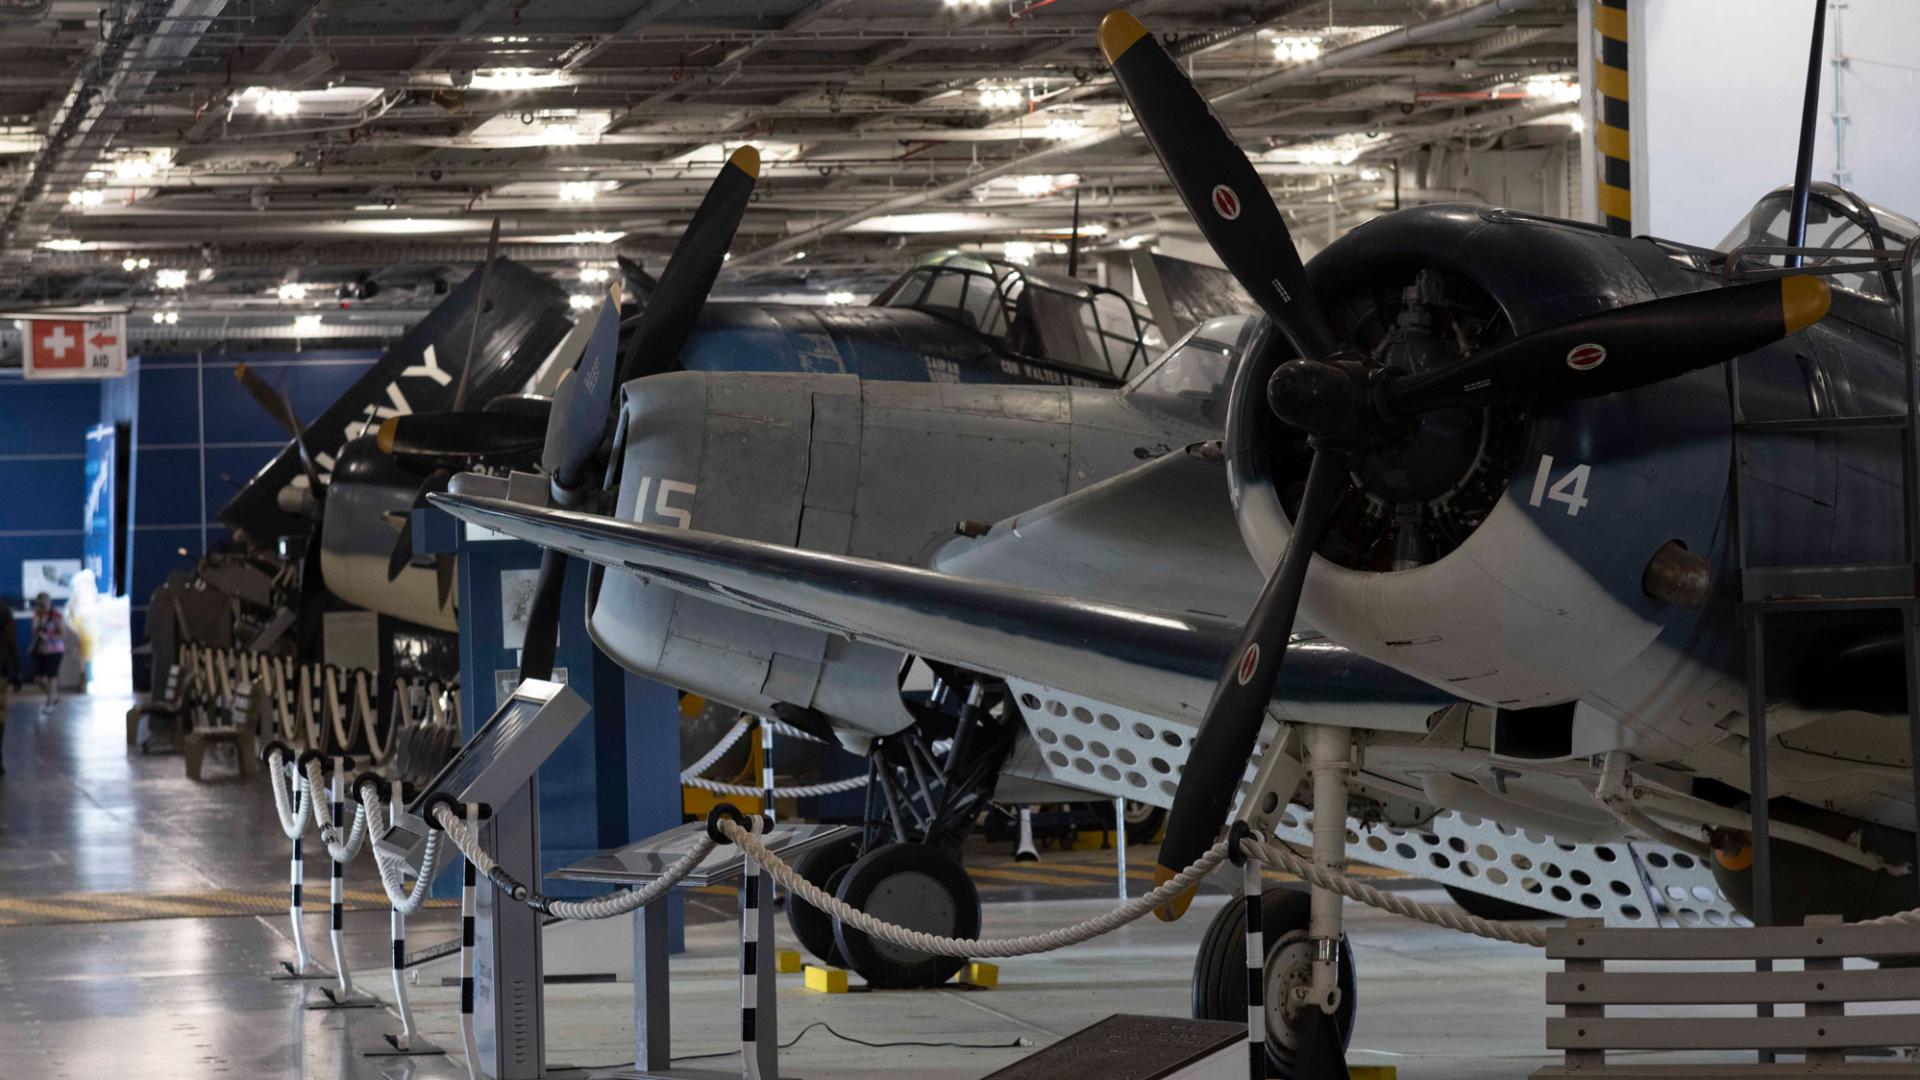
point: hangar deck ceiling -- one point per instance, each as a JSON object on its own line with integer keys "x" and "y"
{"x": 248, "y": 156}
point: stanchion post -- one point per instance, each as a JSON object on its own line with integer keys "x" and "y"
{"x": 302, "y": 967}
{"x": 336, "y": 884}
{"x": 1256, "y": 972}
{"x": 652, "y": 1011}
{"x": 759, "y": 1020}
{"x": 468, "y": 931}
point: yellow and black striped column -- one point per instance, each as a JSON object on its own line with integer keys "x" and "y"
{"x": 1612, "y": 134}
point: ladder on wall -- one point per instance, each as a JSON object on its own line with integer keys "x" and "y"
{"x": 1773, "y": 593}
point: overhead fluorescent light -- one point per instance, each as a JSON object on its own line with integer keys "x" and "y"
{"x": 508, "y": 78}
{"x": 406, "y": 226}
{"x": 606, "y": 237}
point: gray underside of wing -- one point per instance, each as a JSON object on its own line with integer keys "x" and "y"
{"x": 1159, "y": 663}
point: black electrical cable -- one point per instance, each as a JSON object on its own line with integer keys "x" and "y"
{"x": 1014, "y": 1045}
{"x": 790, "y": 1043}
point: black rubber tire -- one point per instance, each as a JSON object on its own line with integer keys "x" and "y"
{"x": 813, "y": 927}
{"x": 1282, "y": 911}
{"x": 1480, "y": 905}
{"x": 1206, "y": 964}
{"x": 881, "y": 883}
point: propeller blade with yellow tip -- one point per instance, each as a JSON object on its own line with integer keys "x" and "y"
{"x": 1621, "y": 349}
{"x": 584, "y": 403}
{"x": 1217, "y": 182}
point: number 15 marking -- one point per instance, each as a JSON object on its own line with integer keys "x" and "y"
{"x": 1570, "y": 489}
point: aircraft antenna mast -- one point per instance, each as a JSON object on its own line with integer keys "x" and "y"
{"x": 1809, "y": 116}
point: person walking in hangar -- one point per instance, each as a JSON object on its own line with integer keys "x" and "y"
{"x": 49, "y": 649}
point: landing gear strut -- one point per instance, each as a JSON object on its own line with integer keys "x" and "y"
{"x": 1307, "y": 983}
{"x": 1220, "y": 974}
{"x": 927, "y": 786}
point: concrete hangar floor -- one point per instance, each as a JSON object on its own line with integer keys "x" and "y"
{"x": 142, "y": 913}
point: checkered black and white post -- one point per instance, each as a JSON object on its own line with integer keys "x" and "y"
{"x": 336, "y": 885}
{"x": 296, "y": 875}
{"x": 1256, "y": 973}
{"x": 750, "y": 961}
{"x": 468, "y": 908}
{"x": 398, "y": 923}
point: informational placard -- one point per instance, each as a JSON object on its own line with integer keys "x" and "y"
{"x": 94, "y": 347}
{"x": 51, "y": 576}
{"x": 97, "y": 522}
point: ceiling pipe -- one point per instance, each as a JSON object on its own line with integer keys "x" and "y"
{"x": 1415, "y": 34}
{"x": 154, "y": 36}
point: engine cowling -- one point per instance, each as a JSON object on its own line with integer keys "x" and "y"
{"x": 1499, "y": 554}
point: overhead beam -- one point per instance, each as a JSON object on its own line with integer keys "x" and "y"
{"x": 474, "y": 20}
{"x": 647, "y": 13}
{"x": 1415, "y": 34}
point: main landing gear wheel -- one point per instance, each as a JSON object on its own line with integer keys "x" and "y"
{"x": 1482, "y": 906}
{"x": 823, "y": 866}
{"x": 915, "y": 886}
{"x": 1220, "y": 973}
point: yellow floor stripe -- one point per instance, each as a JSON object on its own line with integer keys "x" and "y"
{"x": 211, "y": 903}
{"x": 1025, "y": 877}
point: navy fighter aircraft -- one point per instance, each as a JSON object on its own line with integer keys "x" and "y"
{"x": 497, "y": 342}
{"x": 1509, "y": 443}
{"x": 953, "y": 318}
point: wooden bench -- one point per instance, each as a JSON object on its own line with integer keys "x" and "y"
{"x": 222, "y": 714}
{"x": 162, "y": 710}
{"x": 1822, "y": 1037}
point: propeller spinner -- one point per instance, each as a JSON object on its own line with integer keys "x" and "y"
{"x": 1347, "y": 407}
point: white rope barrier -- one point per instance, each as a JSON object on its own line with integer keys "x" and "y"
{"x": 803, "y": 792}
{"x": 1023, "y": 945}
{"x": 293, "y": 821}
{"x": 690, "y": 776}
{"x": 1280, "y": 857}
{"x": 605, "y": 907}
{"x": 405, "y": 900}
{"x": 341, "y": 851}
{"x": 726, "y": 743}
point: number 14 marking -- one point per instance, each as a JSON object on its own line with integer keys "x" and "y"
{"x": 1570, "y": 489}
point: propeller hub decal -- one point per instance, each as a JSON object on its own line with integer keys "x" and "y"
{"x": 1586, "y": 357}
{"x": 1225, "y": 202}
{"x": 1249, "y": 663}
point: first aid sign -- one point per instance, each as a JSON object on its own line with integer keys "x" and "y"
{"x": 74, "y": 348}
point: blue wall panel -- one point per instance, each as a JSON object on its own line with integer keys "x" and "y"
{"x": 198, "y": 437}
{"x": 43, "y": 453}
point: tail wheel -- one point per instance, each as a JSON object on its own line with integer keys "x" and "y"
{"x": 1220, "y": 972}
{"x": 916, "y": 886}
{"x": 822, "y": 866}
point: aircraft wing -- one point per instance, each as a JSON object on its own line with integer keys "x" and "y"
{"x": 1159, "y": 663}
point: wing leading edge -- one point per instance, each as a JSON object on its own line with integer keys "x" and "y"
{"x": 1162, "y": 664}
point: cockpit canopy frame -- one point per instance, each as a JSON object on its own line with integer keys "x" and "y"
{"x": 1056, "y": 320}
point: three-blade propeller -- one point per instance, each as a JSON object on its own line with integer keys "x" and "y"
{"x": 1345, "y": 405}
{"x": 280, "y": 407}
{"x": 584, "y": 403}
